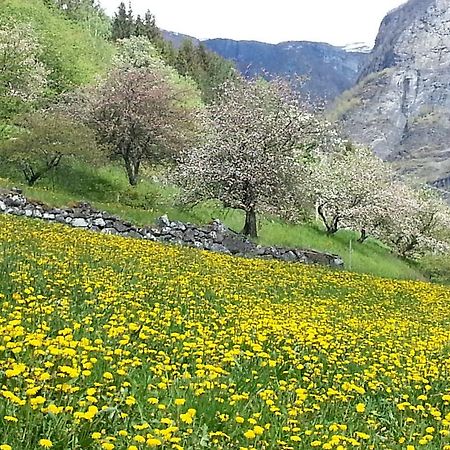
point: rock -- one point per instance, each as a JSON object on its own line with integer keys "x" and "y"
{"x": 100, "y": 222}
{"x": 120, "y": 227}
{"x": 173, "y": 232}
{"x": 132, "y": 234}
{"x": 163, "y": 221}
{"x": 79, "y": 222}
{"x": 218, "y": 226}
{"x": 189, "y": 235}
{"x": 60, "y": 219}
{"x": 237, "y": 244}
{"x": 401, "y": 106}
{"x": 15, "y": 200}
{"x": 109, "y": 231}
{"x": 289, "y": 256}
{"x": 219, "y": 248}
{"x": 338, "y": 262}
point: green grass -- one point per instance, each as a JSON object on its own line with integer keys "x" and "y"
{"x": 107, "y": 189}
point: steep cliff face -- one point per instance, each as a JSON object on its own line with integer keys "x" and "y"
{"x": 328, "y": 70}
{"x": 401, "y": 105}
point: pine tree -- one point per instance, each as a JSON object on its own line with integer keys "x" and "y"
{"x": 139, "y": 27}
{"x": 152, "y": 32}
{"x": 122, "y": 25}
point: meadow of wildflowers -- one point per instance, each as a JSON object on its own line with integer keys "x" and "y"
{"x": 112, "y": 343}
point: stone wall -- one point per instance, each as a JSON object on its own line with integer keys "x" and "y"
{"x": 214, "y": 237}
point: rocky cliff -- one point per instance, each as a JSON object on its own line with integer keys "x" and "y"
{"x": 401, "y": 104}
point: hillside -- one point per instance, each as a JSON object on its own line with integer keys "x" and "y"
{"x": 111, "y": 342}
{"x": 400, "y": 105}
{"x": 72, "y": 54}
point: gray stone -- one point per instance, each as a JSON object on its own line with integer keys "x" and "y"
{"x": 79, "y": 222}
{"x": 100, "y": 222}
{"x": 120, "y": 227}
{"x": 15, "y": 200}
{"x": 163, "y": 221}
{"x": 29, "y": 213}
{"x": 189, "y": 235}
{"x": 338, "y": 262}
{"x": 109, "y": 231}
{"x": 132, "y": 234}
{"x": 219, "y": 248}
{"x": 48, "y": 216}
{"x": 2, "y": 206}
{"x": 60, "y": 219}
{"x": 289, "y": 256}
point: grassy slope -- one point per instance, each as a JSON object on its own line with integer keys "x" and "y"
{"x": 72, "y": 54}
{"x": 107, "y": 189}
{"x": 106, "y": 339}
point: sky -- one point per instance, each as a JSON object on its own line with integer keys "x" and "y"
{"x": 338, "y": 22}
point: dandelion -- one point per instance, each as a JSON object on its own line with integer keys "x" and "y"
{"x": 11, "y": 418}
{"x": 46, "y": 443}
{"x": 360, "y": 407}
{"x": 250, "y": 434}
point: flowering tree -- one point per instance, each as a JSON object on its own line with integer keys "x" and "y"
{"x": 23, "y": 77}
{"x": 417, "y": 221}
{"x": 142, "y": 111}
{"x": 140, "y": 116}
{"x": 348, "y": 187}
{"x": 249, "y": 159}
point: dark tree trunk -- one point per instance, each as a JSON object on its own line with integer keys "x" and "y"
{"x": 31, "y": 176}
{"x": 250, "y": 228}
{"x": 363, "y": 236}
{"x": 331, "y": 226}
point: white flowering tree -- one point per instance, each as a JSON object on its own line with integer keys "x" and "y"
{"x": 23, "y": 78}
{"x": 417, "y": 221}
{"x": 249, "y": 159}
{"x": 347, "y": 188}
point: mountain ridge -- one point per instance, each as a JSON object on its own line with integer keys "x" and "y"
{"x": 330, "y": 69}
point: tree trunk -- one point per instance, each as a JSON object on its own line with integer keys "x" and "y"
{"x": 331, "y": 227}
{"x": 250, "y": 228}
{"x": 132, "y": 168}
{"x": 363, "y": 236}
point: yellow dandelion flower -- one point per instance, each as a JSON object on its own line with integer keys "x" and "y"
{"x": 46, "y": 443}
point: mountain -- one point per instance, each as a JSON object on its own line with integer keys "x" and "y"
{"x": 401, "y": 103}
{"x": 178, "y": 38}
{"x": 329, "y": 70}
